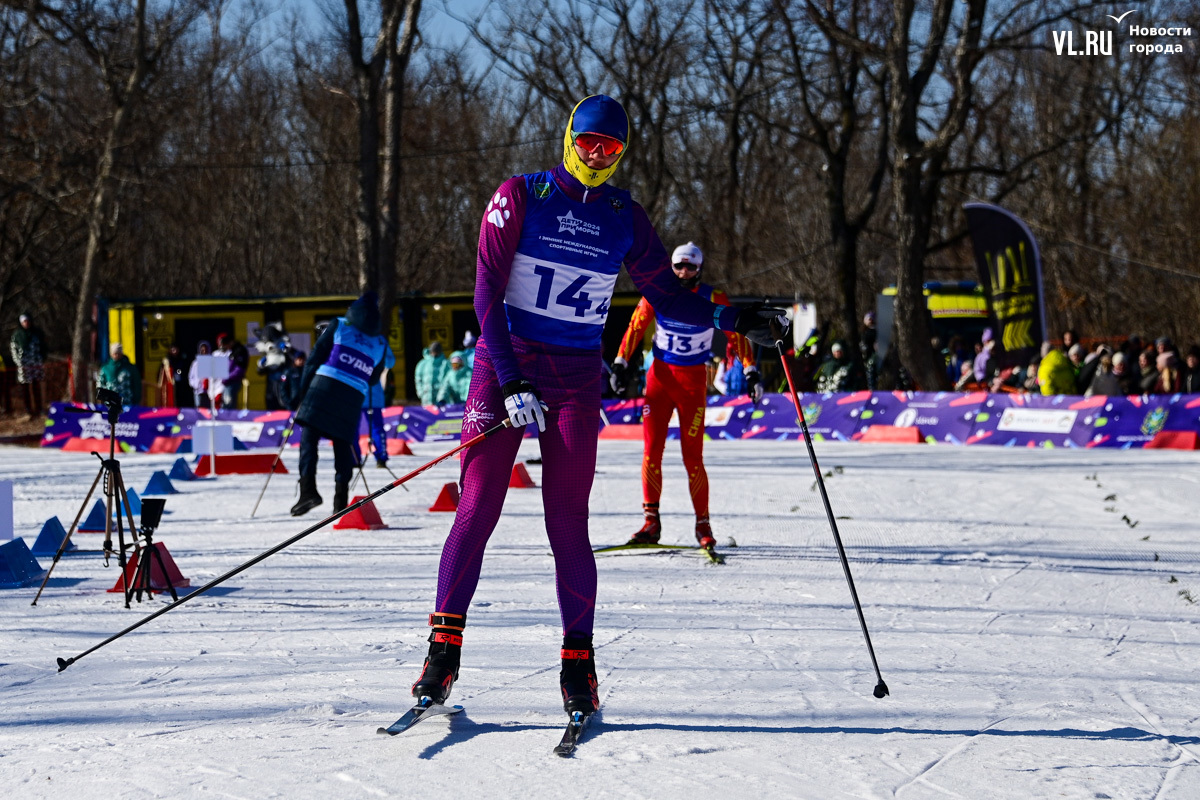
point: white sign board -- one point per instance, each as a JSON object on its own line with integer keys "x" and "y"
{"x": 1037, "y": 420}
{"x": 212, "y": 437}
{"x": 804, "y": 321}
{"x": 212, "y": 368}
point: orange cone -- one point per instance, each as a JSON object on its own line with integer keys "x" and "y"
{"x": 447, "y": 499}
{"x": 364, "y": 518}
{"x": 398, "y": 447}
{"x": 520, "y": 478}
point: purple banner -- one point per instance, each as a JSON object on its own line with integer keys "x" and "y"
{"x": 1006, "y": 420}
{"x": 942, "y": 417}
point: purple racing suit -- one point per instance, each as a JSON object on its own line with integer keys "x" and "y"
{"x": 549, "y": 253}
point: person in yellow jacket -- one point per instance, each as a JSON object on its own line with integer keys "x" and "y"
{"x": 1056, "y": 375}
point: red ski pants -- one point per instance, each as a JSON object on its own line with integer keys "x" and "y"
{"x": 670, "y": 387}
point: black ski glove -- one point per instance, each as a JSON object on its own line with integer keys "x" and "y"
{"x": 762, "y": 324}
{"x": 619, "y": 379}
{"x": 754, "y": 386}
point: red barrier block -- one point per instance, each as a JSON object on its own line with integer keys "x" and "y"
{"x": 398, "y": 447}
{"x": 1174, "y": 440}
{"x": 167, "y": 444}
{"x": 77, "y": 445}
{"x": 520, "y": 478}
{"x": 621, "y": 431}
{"x": 893, "y": 435}
{"x": 240, "y": 464}
{"x": 447, "y": 499}
{"x": 364, "y": 518}
{"x": 158, "y": 582}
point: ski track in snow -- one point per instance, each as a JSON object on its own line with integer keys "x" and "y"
{"x": 1020, "y": 602}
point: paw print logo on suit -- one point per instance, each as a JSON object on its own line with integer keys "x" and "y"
{"x": 496, "y": 212}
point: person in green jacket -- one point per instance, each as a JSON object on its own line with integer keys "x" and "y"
{"x": 121, "y": 376}
{"x": 457, "y": 381}
{"x": 430, "y": 374}
{"x": 1056, "y": 375}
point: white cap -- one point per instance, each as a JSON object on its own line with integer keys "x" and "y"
{"x": 23, "y": 318}
{"x": 687, "y": 254}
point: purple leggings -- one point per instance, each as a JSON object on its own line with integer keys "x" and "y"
{"x": 570, "y": 385}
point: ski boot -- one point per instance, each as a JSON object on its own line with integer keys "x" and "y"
{"x": 652, "y": 528}
{"x": 704, "y": 534}
{"x": 441, "y": 665}
{"x": 309, "y": 499}
{"x": 577, "y": 678}
{"x": 341, "y": 495}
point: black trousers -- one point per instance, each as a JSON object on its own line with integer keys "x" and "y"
{"x": 343, "y": 456}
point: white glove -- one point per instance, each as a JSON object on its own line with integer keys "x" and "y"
{"x": 754, "y": 387}
{"x": 523, "y": 404}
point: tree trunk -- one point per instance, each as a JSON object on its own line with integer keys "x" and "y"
{"x": 912, "y": 233}
{"x": 81, "y": 333}
{"x": 843, "y": 238}
{"x": 402, "y": 37}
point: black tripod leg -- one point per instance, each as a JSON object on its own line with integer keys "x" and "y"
{"x": 117, "y": 486}
{"x": 162, "y": 566}
{"x": 66, "y": 539}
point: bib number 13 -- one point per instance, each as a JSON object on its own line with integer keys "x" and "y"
{"x": 573, "y": 296}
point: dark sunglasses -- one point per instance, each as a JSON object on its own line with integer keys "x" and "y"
{"x": 608, "y": 145}
{"x": 684, "y": 266}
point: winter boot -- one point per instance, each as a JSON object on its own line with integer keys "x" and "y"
{"x": 441, "y": 665}
{"x": 651, "y": 529}
{"x": 704, "y": 534}
{"x": 341, "y": 495}
{"x": 580, "y": 689}
{"x": 309, "y": 499}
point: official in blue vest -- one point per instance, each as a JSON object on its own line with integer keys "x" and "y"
{"x": 347, "y": 358}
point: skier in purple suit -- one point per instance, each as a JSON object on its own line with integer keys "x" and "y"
{"x": 550, "y": 247}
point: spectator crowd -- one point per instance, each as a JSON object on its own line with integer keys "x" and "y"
{"x": 1130, "y": 367}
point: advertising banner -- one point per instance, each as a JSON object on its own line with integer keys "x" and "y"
{"x": 942, "y": 417}
{"x": 1006, "y": 420}
{"x": 1010, "y": 270}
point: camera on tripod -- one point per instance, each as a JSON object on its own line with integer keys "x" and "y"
{"x": 112, "y": 403}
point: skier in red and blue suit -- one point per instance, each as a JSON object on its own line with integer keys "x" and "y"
{"x": 550, "y": 247}
{"x": 677, "y": 381}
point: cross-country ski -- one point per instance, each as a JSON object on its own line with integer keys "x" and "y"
{"x": 417, "y": 713}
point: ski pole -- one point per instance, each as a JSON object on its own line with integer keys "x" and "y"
{"x": 286, "y": 433}
{"x": 63, "y": 663}
{"x": 881, "y": 689}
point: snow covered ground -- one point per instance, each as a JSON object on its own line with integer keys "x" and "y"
{"x": 1035, "y": 644}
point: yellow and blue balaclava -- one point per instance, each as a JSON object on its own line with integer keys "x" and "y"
{"x": 595, "y": 114}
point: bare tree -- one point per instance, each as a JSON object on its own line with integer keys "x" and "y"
{"x": 125, "y": 45}
{"x": 378, "y": 100}
{"x": 843, "y": 116}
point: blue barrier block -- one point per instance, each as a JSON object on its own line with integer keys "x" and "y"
{"x": 135, "y": 504}
{"x": 95, "y": 520}
{"x": 180, "y": 471}
{"x": 50, "y": 538}
{"x": 159, "y": 483}
{"x": 185, "y": 446}
{"x": 18, "y": 567}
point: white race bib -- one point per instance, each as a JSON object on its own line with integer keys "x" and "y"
{"x": 560, "y": 291}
